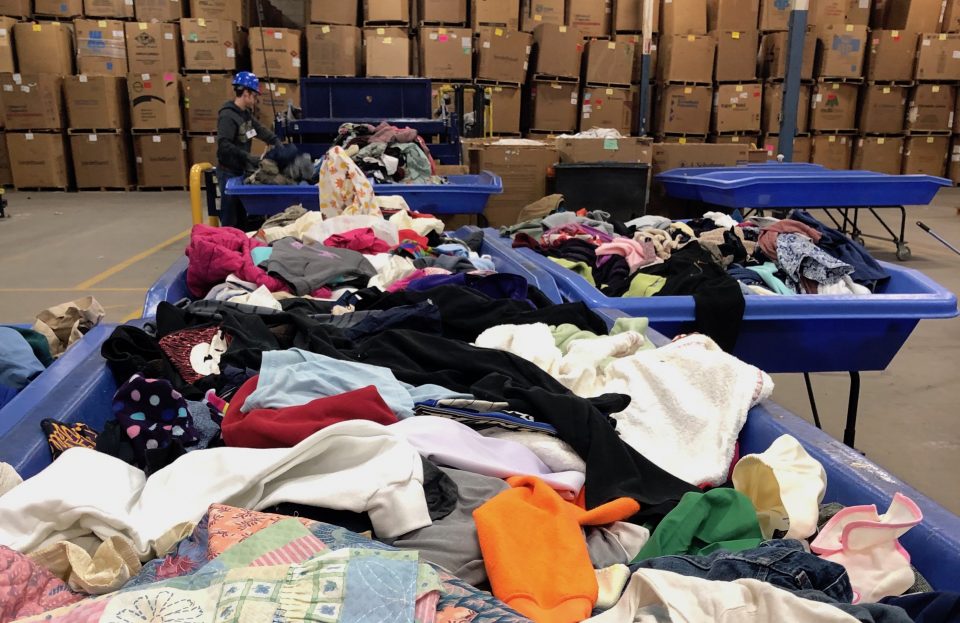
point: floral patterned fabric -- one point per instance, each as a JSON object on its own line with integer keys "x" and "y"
{"x": 27, "y": 589}
{"x": 441, "y": 597}
{"x": 343, "y": 187}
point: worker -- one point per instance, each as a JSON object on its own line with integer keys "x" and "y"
{"x": 236, "y": 129}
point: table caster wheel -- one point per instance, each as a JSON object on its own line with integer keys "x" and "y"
{"x": 903, "y": 252}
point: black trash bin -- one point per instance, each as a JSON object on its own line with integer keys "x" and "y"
{"x": 614, "y": 187}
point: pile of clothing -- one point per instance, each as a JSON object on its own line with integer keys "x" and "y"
{"x": 26, "y": 352}
{"x": 284, "y": 165}
{"x": 358, "y": 419}
{"x": 715, "y": 259}
{"x": 388, "y": 154}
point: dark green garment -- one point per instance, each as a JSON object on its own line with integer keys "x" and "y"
{"x": 38, "y": 344}
{"x": 702, "y": 523}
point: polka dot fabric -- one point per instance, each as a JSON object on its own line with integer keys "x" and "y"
{"x": 153, "y": 414}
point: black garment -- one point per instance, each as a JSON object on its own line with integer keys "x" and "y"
{"x": 466, "y": 313}
{"x": 614, "y": 469}
{"x": 349, "y": 520}
{"x": 440, "y": 491}
{"x": 928, "y": 607}
{"x": 115, "y": 442}
{"x": 130, "y": 350}
{"x": 235, "y": 130}
{"x": 717, "y": 296}
{"x": 613, "y": 276}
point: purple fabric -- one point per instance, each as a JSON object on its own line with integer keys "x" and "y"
{"x": 153, "y": 414}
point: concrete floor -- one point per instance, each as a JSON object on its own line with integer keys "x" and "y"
{"x": 61, "y": 246}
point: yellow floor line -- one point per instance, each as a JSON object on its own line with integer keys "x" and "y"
{"x": 136, "y": 313}
{"x": 130, "y": 261}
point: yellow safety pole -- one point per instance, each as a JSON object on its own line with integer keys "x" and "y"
{"x": 196, "y": 191}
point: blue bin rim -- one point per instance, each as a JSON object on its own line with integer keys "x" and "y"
{"x": 484, "y": 183}
{"x": 59, "y": 371}
{"x": 737, "y": 177}
{"x": 933, "y": 301}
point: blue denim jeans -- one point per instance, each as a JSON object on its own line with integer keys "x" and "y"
{"x": 783, "y": 563}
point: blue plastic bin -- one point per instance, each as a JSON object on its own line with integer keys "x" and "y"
{"x": 787, "y": 333}
{"x": 171, "y": 287}
{"x": 934, "y": 545}
{"x": 798, "y": 186}
{"x": 61, "y": 373}
{"x": 464, "y": 194}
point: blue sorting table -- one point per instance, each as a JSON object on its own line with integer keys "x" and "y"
{"x": 777, "y": 186}
{"x": 61, "y": 373}
{"x": 934, "y": 545}
{"x": 464, "y": 194}
{"x": 785, "y": 333}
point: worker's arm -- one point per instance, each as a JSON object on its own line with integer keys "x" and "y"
{"x": 265, "y": 134}
{"x": 229, "y": 154}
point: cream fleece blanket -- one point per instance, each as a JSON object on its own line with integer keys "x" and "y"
{"x": 356, "y": 465}
{"x": 689, "y": 398}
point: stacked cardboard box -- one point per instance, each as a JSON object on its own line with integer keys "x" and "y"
{"x": 97, "y": 112}
{"x": 34, "y": 114}
{"x": 738, "y": 95}
{"x": 684, "y": 97}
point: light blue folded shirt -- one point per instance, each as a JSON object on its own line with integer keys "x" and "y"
{"x": 294, "y": 377}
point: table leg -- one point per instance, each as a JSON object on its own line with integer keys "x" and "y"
{"x": 813, "y": 400}
{"x": 853, "y": 405}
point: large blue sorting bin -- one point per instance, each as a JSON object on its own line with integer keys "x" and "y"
{"x": 61, "y": 373}
{"x": 463, "y": 194}
{"x": 934, "y": 545}
{"x": 812, "y": 333}
{"x": 777, "y": 185}
{"x": 172, "y": 285}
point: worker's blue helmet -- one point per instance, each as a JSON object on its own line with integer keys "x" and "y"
{"x": 247, "y": 80}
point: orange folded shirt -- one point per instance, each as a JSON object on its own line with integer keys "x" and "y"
{"x": 535, "y": 553}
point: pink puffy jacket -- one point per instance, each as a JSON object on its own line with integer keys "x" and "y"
{"x": 216, "y": 252}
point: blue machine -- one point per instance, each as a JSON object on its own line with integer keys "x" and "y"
{"x": 328, "y": 103}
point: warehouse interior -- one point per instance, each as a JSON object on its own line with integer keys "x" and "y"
{"x": 600, "y": 136}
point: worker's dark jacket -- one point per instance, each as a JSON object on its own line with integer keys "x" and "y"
{"x": 236, "y": 129}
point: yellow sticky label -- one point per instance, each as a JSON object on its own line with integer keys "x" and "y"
{"x": 929, "y": 139}
{"x": 282, "y": 91}
{"x": 886, "y": 90}
{"x": 687, "y": 90}
{"x": 831, "y": 139}
{"x": 735, "y": 35}
{"x": 691, "y": 37}
{"x": 894, "y": 33}
{"x": 441, "y": 31}
{"x": 498, "y": 32}
{"x": 609, "y": 91}
{"x": 562, "y": 28}
{"x": 935, "y": 88}
{"x": 734, "y": 139}
{"x": 943, "y": 36}
{"x": 849, "y": 27}
{"x": 612, "y": 46}
{"x": 836, "y": 86}
{"x": 37, "y": 28}
{"x": 739, "y": 88}
{"x": 381, "y": 31}
{"x": 102, "y": 23}
{"x": 388, "y": 40}
{"x": 201, "y": 22}
{"x": 683, "y": 140}
{"x": 498, "y": 89}
{"x": 539, "y": 18}
{"x": 142, "y": 25}
{"x": 325, "y": 29}
{"x": 881, "y": 140}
